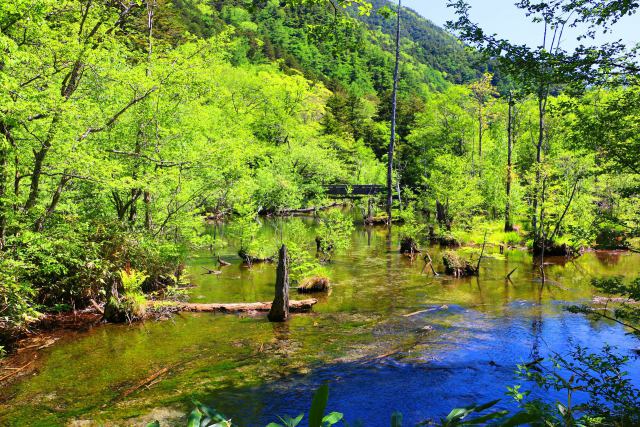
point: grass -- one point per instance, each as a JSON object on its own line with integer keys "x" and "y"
{"x": 495, "y": 234}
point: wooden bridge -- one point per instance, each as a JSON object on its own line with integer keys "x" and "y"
{"x": 345, "y": 191}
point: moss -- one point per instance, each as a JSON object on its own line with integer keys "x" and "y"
{"x": 314, "y": 284}
{"x": 457, "y": 266}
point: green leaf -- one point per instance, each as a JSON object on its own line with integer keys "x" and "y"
{"x": 481, "y": 408}
{"x": 194, "y": 418}
{"x": 485, "y": 418}
{"x": 332, "y": 418}
{"x": 519, "y": 419}
{"x": 318, "y": 406}
{"x": 297, "y": 420}
{"x": 457, "y": 414}
{"x": 156, "y": 423}
{"x": 396, "y": 419}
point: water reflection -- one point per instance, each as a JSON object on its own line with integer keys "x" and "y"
{"x": 365, "y": 337}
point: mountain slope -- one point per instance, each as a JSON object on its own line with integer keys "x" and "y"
{"x": 430, "y": 44}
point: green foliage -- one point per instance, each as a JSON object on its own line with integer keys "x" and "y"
{"x": 302, "y": 263}
{"x": 626, "y": 312}
{"x": 334, "y": 233}
{"x": 132, "y": 300}
{"x": 411, "y": 225}
{"x": 16, "y": 296}
{"x": 611, "y": 402}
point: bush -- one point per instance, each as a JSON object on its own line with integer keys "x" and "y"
{"x": 334, "y": 234}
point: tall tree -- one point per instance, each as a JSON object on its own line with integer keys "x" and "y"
{"x": 511, "y": 126}
{"x": 482, "y": 91}
{"x": 394, "y": 100}
{"x": 542, "y": 69}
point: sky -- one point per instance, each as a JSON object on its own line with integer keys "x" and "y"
{"x": 506, "y": 20}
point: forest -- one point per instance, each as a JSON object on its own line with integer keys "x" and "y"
{"x": 153, "y": 152}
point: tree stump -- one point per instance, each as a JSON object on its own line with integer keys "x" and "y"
{"x": 408, "y": 246}
{"x": 457, "y": 266}
{"x": 280, "y": 307}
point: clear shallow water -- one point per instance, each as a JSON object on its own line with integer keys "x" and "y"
{"x": 463, "y": 350}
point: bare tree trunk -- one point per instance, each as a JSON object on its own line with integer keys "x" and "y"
{"x": 508, "y": 225}
{"x": 394, "y": 98}
{"x": 280, "y": 307}
{"x": 480, "y": 132}
{"x": 542, "y": 104}
{"x": 564, "y": 213}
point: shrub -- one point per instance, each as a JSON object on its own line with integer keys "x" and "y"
{"x": 334, "y": 234}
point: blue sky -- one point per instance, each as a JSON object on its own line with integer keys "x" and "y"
{"x": 503, "y": 18}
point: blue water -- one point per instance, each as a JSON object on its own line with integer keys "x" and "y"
{"x": 477, "y": 364}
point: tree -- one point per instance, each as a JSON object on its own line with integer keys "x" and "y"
{"x": 394, "y": 98}
{"x": 482, "y": 92}
{"x": 542, "y": 69}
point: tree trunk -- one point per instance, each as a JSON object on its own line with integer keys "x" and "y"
{"x": 55, "y": 199}
{"x": 38, "y": 163}
{"x": 261, "y": 307}
{"x": 542, "y": 101}
{"x": 508, "y": 225}
{"x": 280, "y": 308}
{"x": 480, "y": 132}
{"x": 394, "y": 98}
{"x": 4, "y": 206}
{"x": 147, "y": 210}
{"x": 442, "y": 215}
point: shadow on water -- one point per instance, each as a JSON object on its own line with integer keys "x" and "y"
{"x": 388, "y": 337}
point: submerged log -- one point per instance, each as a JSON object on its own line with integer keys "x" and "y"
{"x": 553, "y": 249}
{"x": 457, "y": 266}
{"x": 279, "y": 311}
{"x": 310, "y": 210}
{"x": 249, "y": 259}
{"x": 376, "y": 220}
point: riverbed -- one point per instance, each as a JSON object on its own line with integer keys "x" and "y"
{"x": 459, "y": 345}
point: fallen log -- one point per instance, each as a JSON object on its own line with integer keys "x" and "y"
{"x": 313, "y": 209}
{"x": 294, "y": 306}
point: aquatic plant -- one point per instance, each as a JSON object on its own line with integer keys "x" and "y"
{"x": 126, "y": 301}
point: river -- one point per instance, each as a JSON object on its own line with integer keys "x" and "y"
{"x": 461, "y": 348}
